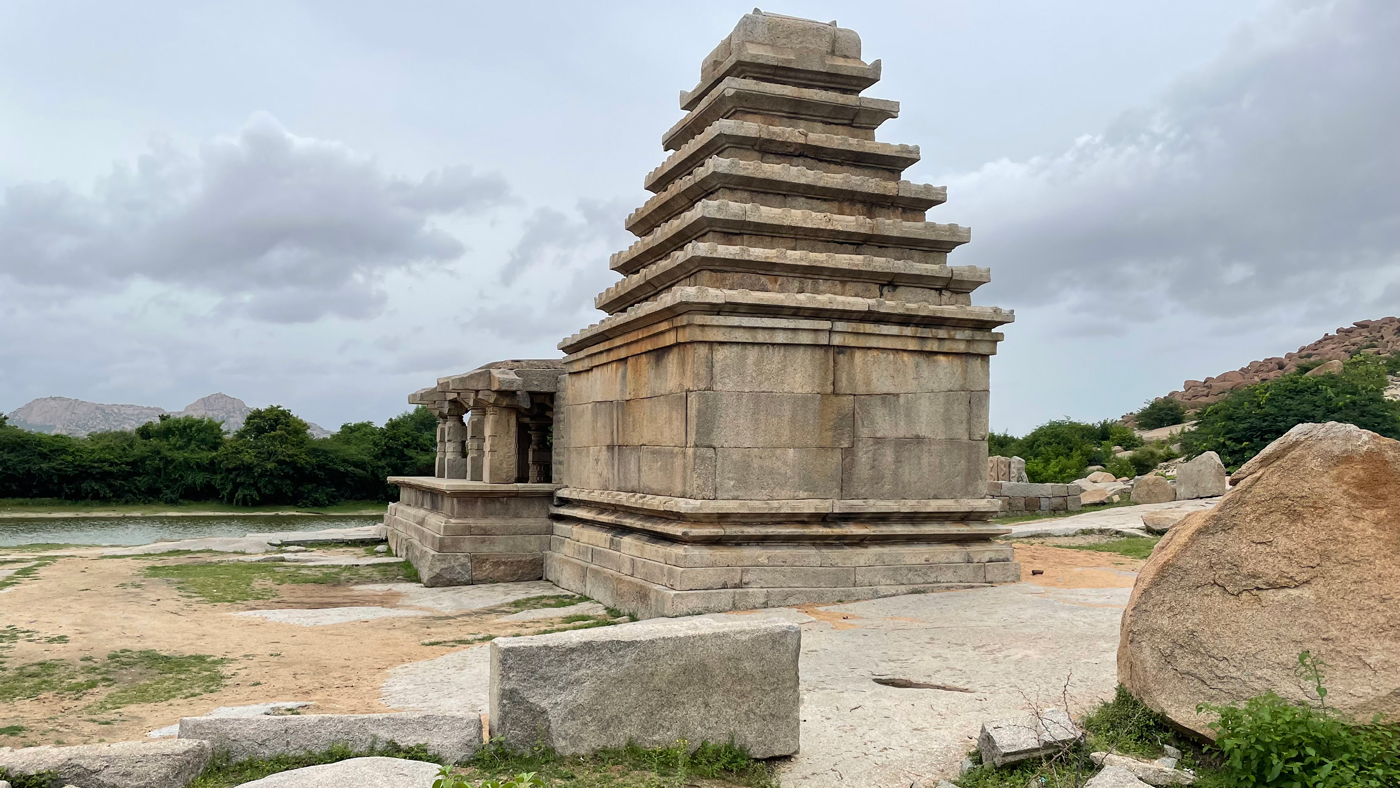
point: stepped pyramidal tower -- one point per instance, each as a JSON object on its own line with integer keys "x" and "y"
{"x": 788, "y": 400}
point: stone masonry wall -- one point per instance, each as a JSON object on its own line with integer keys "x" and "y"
{"x": 1030, "y": 497}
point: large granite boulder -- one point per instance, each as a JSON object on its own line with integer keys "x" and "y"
{"x": 650, "y": 683}
{"x": 1153, "y": 489}
{"x": 1301, "y": 555}
{"x": 1203, "y": 477}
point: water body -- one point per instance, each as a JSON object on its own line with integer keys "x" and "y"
{"x": 144, "y": 530}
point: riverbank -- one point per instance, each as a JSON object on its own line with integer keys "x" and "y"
{"x": 39, "y": 508}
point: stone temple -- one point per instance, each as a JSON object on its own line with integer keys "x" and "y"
{"x": 787, "y": 402}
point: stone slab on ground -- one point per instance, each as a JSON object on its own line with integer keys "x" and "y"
{"x": 539, "y": 613}
{"x": 1114, "y": 777}
{"x": 1149, "y": 772}
{"x": 1125, "y": 520}
{"x": 1030, "y": 736}
{"x": 652, "y": 683}
{"x": 356, "y": 772}
{"x": 213, "y": 544}
{"x": 169, "y": 763}
{"x": 458, "y": 599}
{"x": 363, "y": 534}
{"x": 1160, "y": 522}
{"x": 321, "y": 617}
{"x": 251, "y": 710}
{"x": 454, "y": 737}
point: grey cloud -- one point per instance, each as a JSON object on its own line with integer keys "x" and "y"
{"x": 1265, "y": 180}
{"x": 284, "y": 228}
{"x": 565, "y": 261}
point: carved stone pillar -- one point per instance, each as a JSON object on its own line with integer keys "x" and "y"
{"x": 476, "y": 444}
{"x": 440, "y": 465}
{"x": 541, "y": 460}
{"x": 455, "y": 458}
{"x": 501, "y": 454}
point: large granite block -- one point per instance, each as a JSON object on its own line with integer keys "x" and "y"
{"x": 945, "y": 415}
{"x": 879, "y": 371}
{"x": 789, "y": 369}
{"x": 741, "y": 419}
{"x": 914, "y": 468}
{"x": 650, "y": 683}
{"x": 781, "y": 474}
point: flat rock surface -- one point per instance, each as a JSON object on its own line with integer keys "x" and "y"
{"x": 250, "y": 710}
{"x": 453, "y": 683}
{"x": 322, "y": 617}
{"x": 215, "y": 544}
{"x": 452, "y": 737}
{"x": 1122, "y": 519}
{"x": 356, "y": 773}
{"x": 456, "y": 599}
{"x": 1115, "y": 777}
{"x": 365, "y": 534}
{"x": 539, "y": 613}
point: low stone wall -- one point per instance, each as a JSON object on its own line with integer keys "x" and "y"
{"x": 1030, "y": 497}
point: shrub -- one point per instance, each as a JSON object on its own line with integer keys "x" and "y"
{"x": 1162, "y": 412}
{"x": 1126, "y": 725}
{"x": 1059, "y": 451}
{"x": 1248, "y": 419}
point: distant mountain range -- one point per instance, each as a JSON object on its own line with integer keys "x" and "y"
{"x": 64, "y": 416}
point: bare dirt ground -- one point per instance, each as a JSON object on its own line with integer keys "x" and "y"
{"x": 102, "y": 605}
{"x": 86, "y": 607}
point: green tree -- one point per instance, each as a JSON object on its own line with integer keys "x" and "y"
{"x": 175, "y": 458}
{"x": 1248, "y": 419}
{"x": 267, "y": 461}
{"x": 1163, "y": 412}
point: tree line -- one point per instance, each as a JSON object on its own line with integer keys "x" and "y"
{"x": 270, "y": 460}
{"x": 1237, "y": 427}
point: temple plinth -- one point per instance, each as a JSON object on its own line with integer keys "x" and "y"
{"x": 788, "y": 400}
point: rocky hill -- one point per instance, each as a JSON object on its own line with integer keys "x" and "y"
{"x": 78, "y": 418}
{"x": 1364, "y": 336}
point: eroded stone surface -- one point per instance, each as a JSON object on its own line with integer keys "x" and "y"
{"x": 322, "y": 617}
{"x": 1203, "y": 477}
{"x": 1115, "y": 777}
{"x": 1149, "y": 772}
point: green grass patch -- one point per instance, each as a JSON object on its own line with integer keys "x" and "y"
{"x": 240, "y": 582}
{"x": 628, "y": 767}
{"x": 225, "y": 773}
{"x": 44, "y": 547}
{"x": 472, "y": 641}
{"x": 16, "y": 507}
{"x": 40, "y": 780}
{"x": 1127, "y": 726}
{"x": 133, "y": 677}
{"x": 20, "y": 575}
{"x": 12, "y": 730}
{"x": 1139, "y": 547}
{"x": 548, "y": 600}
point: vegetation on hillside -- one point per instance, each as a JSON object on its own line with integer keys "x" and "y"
{"x": 270, "y": 460}
{"x": 1159, "y": 413}
{"x": 1248, "y": 419}
{"x": 1062, "y": 451}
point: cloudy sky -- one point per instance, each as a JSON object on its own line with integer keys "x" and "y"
{"x": 328, "y": 205}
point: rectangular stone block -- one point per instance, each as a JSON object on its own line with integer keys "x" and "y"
{"x": 729, "y": 419}
{"x": 1003, "y": 572}
{"x": 979, "y": 403}
{"x": 449, "y": 736}
{"x": 914, "y": 468}
{"x": 919, "y": 575}
{"x": 799, "y": 577}
{"x": 668, "y": 370}
{"x": 793, "y": 369}
{"x": 651, "y": 683}
{"x": 778, "y": 474}
{"x": 653, "y": 421}
{"x": 881, "y": 371}
{"x": 1013, "y": 740}
{"x": 939, "y": 416}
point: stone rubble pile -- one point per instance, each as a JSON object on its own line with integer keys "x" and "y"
{"x": 1364, "y": 336}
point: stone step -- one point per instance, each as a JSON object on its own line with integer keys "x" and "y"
{"x": 708, "y": 300}
{"x": 723, "y": 173}
{"x": 734, "y": 95}
{"x": 700, "y": 256}
{"x": 726, "y": 136}
{"x": 724, "y": 216}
